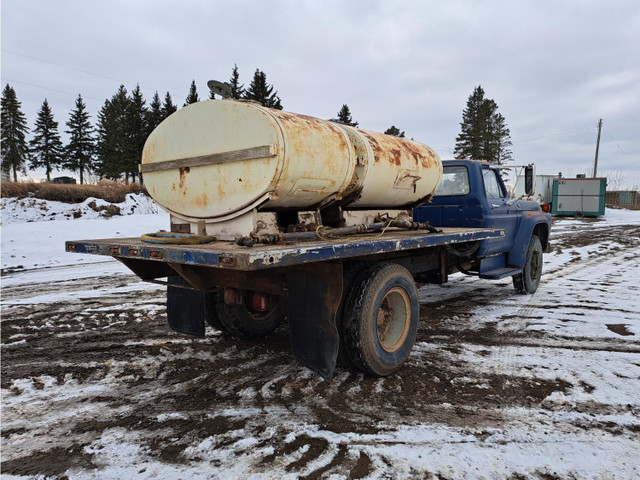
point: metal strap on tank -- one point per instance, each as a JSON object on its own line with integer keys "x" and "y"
{"x": 263, "y": 151}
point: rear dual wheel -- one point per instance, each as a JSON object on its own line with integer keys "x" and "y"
{"x": 381, "y": 319}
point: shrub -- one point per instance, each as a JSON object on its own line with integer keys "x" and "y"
{"x": 109, "y": 191}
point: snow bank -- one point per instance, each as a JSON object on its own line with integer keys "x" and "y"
{"x": 16, "y": 210}
{"x": 31, "y": 240}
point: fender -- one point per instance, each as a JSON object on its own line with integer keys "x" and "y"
{"x": 533, "y": 222}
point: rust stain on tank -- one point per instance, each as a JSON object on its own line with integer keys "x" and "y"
{"x": 323, "y": 147}
{"x": 201, "y": 200}
{"x": 183, "y": 175}
{"x": 221, "y": 191}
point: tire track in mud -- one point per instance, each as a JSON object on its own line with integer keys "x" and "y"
{"x": 109, "y": 366}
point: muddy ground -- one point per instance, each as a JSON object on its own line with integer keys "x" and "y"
{"x": 498, "y": 386}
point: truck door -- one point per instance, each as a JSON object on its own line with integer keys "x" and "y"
{"x": 452, "y": 206}
{"x": 498, "y": 213}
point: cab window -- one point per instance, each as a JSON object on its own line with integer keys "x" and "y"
{"x": 491, "y": 184}
{"x": 455, "y": 181}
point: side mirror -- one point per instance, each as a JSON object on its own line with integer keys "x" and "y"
{"x": 528, "y": 180}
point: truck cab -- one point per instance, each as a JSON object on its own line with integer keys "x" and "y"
{"x": 473, "y": 194}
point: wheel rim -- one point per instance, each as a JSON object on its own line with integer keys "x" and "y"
{"x": 393, "y": 319}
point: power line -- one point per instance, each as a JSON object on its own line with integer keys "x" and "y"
{"x": 5, "y": 79}
{"x": 617, "y": 145}
{"x": 553, "y": 134}
{"x": 546, "y": 135}
{"x": 72, "y": 68}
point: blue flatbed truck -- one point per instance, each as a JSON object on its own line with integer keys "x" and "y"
{"x": 352, "y": 297}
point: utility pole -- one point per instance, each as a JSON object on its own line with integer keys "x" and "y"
{"x": 595, "y": 164}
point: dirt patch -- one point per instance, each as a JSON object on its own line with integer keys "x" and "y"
{"x": 53, "y": 462}
{"x": 620, "y": 329}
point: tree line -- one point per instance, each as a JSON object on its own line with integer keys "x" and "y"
{"x": 112, "y": 148}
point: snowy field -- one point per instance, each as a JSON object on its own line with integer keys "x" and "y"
{"x": 499, "y": 385}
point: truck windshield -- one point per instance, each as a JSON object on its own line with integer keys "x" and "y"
{"x": 455, "y": 181}
{"x": 491, "y": 184}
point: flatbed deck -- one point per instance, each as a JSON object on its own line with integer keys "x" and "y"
{"x": 229, "y": 256}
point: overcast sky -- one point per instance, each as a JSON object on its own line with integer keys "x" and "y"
{"x": 553, "y": 67}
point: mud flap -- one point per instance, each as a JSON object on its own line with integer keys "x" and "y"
{"x": 315, "y": 293}
{"x": 187, "y": 309}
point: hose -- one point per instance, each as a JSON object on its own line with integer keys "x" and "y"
{"x": 176, "y": 238}
{"x": 466, "y": 253}
{"x": 325, "y": 233}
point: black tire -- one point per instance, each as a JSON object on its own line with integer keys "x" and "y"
{"x": 381, "y": 319}
{"x": 211, "y": 311}
{"x": 243, "y": 321}
{"x": 351, "y": 270}
{"x": 527, "y": 282}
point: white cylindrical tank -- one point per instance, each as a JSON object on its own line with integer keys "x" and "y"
{"x": 217, "y": 159}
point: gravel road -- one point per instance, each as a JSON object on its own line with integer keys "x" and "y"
{"x": 499, "y": 385}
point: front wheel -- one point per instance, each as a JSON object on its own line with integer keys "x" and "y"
{"x": 529, "y": 279}
{"x": 381, "y": 319}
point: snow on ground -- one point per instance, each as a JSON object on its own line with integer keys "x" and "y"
{"x": 498, "y": 385}
{"x": 33, "y": 236}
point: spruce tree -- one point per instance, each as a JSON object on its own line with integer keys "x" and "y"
{"x": 502, "y": 139}
{"x": 260, "y": 91}
{"x": 136, "y": 132}
{"x": 14, "y": 148}
{"x": 154, "y": 113}
{"x": 484, "y": 134}
{"x": 168, "y": 106}
{"x": 392, "y": 130}
{"x": 113, "y": 146}
{"x": 344, "y": 117}
{"x": 192, "y": 97}
{"x": 81, "y": 147}
{"x": 237, "y": 90}
{"x": 45, "y": 147}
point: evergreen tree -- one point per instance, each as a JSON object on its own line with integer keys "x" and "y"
{"x": 237, "y": 90}
{"x": 260, "y": 91}
{"x": 45, "y": 146}
{"x": 344, "y": 117}
{"x": 81, "y": 147}
{"x": 193, "y": 95}
{"x": 392, "y": 130}
{"x": 155, "y": 115}
{"x": 484, "y": 134}
{"x": 113, "y": 139}
{"x": 14, "y": 148}
{"x": 168, "y": 107}
{"x": 136, "y": 132}
{"x": 502, "y": 139}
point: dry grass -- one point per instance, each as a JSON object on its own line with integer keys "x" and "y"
{"x": 113, "y": 192}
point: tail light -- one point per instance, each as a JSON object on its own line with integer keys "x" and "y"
{"x": 546, "y": 208}
{"x": 260, "y": 302}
